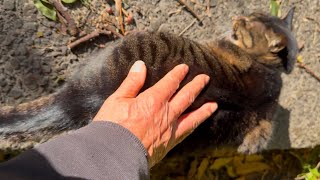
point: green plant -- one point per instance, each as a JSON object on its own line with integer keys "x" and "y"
{"x": 310, "y": 174}
{"x": 47, "y": 8}
{"x": 275, "y": 7}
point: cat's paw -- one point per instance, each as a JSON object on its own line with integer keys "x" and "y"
{"x": 257, "y": 139}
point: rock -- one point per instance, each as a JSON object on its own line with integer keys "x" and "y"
{"x": 29, "y": 10}
{"x": 8, "y": 41}
{"x": 47, "y": 33}
{"x": 155, "y": 24}
{"x": 43, "y": 81}
{"x": 9, "y": 5}
{"x": 6, "y": 89}
{"x": 64, "y": 50}
{"x": 3, "y": 59}
{"x": 15, "y": 93}
{"x": 46, "y": 69}
{"x": 3, "y": 81}
{"x": 14, "y": 63}
{"x": 30, "y": 81}
{"x": 22, "y": 51}
{"x": 30, "y": 26}
{"x": 72, "y": 57}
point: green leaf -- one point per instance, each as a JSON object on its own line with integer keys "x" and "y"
{"x": 315, "y": 172}
{"x": 69, "y": 1}
{"x": 274, "y": 7}
{"x": 46, "y": 9}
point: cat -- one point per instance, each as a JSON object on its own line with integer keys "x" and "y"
{"x": 245, "y": 81}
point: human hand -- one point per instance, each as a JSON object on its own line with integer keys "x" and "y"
{"x": 155, "y": 115}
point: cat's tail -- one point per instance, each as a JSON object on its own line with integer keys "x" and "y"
{"x": 27, "y": 124}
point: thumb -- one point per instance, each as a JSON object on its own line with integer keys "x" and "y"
{"x": 134, "y": 81}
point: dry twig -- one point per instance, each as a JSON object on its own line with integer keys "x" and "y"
{"x": 113, "y": 31}
{"x": 87, "y": 37}
{"x": 119, "y": 11}
{"x": 190, "y": 10}
{"x": 308, "y": 70}
{"x": 185, "y": 29}
{"x": 73, "y": 30}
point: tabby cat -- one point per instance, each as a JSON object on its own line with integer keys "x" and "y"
{"x": 245, "y": 81}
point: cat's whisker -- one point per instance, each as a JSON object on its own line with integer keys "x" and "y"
{"x": 225, "y": 34}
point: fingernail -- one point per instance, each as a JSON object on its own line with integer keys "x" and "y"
{"x": 213, "y": 107}
{"x": 207, "y": 78}
{"x": 137, "y": 66}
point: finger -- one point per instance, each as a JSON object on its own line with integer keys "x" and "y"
{"x": 134, "y": 81}
{"x": 169, "y": 84}
{"x": 190, "y": 121}
{"x": 186, "y": 96}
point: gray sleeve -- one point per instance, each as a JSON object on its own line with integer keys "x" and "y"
{"x": 101, "y": 150}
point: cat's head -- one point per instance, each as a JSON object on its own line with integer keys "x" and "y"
{"x": 267, "y": 37}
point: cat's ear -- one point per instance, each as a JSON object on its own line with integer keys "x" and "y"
{"x": 289, "y": 18}
{"x": 275, "y": 42}
{"x": 292, "y": 47}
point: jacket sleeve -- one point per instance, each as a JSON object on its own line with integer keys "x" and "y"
{"x": 101, "y": 150}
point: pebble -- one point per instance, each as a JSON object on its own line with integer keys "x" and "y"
{"x": 64, "y": 50}
{"x": 30, "y": 26}
{"x": 15, "y": 93}
{"x": 22, "y": 50}
{"x": 46, "y": 69}
{"x": 8, "y": 41}
{"x": 14, "y": 64}
{"x": 48, "y": 33}
{"x": 29, "y": 10}
{"x": 30, "y": 81}
{"x": 9, "y": 5}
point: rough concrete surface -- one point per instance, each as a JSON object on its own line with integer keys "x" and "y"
{"x": 35, "y": 61}
{"x": 34, "y": 58}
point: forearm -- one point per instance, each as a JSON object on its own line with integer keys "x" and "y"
{"x": 101, "y": 150}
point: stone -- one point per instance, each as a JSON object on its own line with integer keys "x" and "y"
{"x": 64, "y": 50}
{"x": 31, "y": 81}
{"x": 43, "y": 81}
{"x": 15, "y": 64}
{"x": 3, "y": 83}
{"x": 8, "y": 41}
{"x": 15, "y": 93}
{"x": 46, "y": 69}
{"x": 30, "y": 26}
{"x": 47, "y": 33}
{"x": 22, "y": 50}
{"x": 72, "y": 57}
{"x": 9, "y": 5}
{"x": 29, "y": 9}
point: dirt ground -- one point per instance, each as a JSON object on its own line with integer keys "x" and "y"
{"x": 35, "y": 61}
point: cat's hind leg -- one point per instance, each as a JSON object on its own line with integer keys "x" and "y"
{"x": 258, "y": 137}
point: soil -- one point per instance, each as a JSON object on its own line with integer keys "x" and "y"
{"x": 35, "y": 61}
